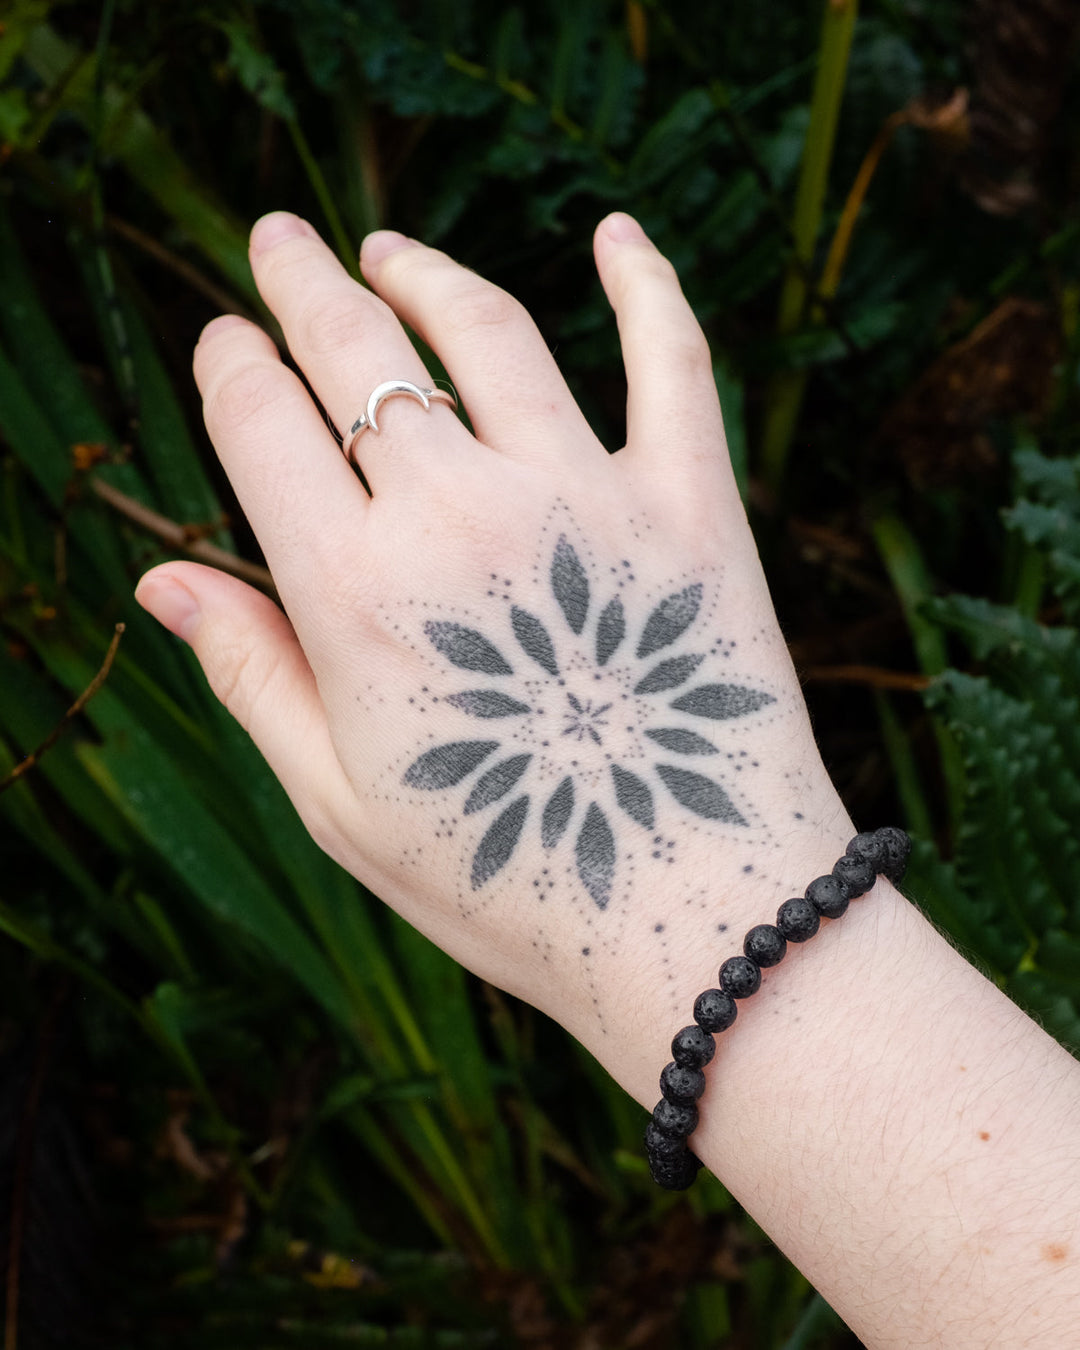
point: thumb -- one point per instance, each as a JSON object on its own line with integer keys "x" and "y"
{"x": 255, "y": 665}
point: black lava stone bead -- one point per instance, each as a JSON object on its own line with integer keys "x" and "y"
{"x": 827, "y": 896}
{"x": 681, "y": 1084}
{"x": 797, "y": 919}
{"x": 660, "y": 1143}
{"x": 898, "y": 848}
{"x": 856, "y": 875}
{"x": 871, "y": 847}
{"x": 676, "y": 1173}
{"x": 692, "y": 1047}
{"x": 740, "y": 977}
{"x": 678, "y": 1118}
{"x": 714, "y": 1010}
{"x": 765, "y": 945}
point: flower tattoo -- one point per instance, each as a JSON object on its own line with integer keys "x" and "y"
{"x": 587, "y": 717}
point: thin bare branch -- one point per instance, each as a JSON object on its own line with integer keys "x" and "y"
{"x": 183, "y": 538}
{"x": 872, "y": 676}
{"x": 35, "y": 755}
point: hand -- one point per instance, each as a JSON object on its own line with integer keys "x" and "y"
{"x": 443, "y": 669}
{"x": 532, "y": 694}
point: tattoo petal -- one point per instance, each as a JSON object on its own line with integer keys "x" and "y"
{"x": 670, "y": 619}
{"x": 557, "y": 813}
{"x": 445, "y": 765}
{"x": 499, "y": 842}
{"x": 534, "y": 639}
{"x": 570, "y": 584}
{"x": 721, "y": 701}
{"x": 595, "y": 854}
{"x": 610, "y": 630}
{"x": 699, "y": 794}
{"x": 668, "y": 674}
{"x": 487, "y": 703}
{"x": 633, "y": 796}
{"x": 681, "y": 741}
{"x": 496, "y": 783}
{"x": 466, "y": 648}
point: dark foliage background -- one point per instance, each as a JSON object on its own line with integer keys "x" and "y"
{"x": 240, "y": 1103}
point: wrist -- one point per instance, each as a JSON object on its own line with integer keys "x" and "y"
{"x": 890, "y": 1119}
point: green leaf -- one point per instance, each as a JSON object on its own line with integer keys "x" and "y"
{"x": 256, "y": 69}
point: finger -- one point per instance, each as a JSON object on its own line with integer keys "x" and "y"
{"x": 304, "y": 502}
{"x": 518, "y": 401}
{"x": 347, "y": 342}
{"x": 673, "y": 413}
{"x": 256, "y": 667}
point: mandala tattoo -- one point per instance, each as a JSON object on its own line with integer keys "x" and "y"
{"x": 597, "y": 713}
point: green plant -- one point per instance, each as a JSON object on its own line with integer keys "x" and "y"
{"x": 1008, "y": 894}
{"x": 264, "y": 1031}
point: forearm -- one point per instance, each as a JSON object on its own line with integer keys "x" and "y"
{"x": 905, "y": 1134}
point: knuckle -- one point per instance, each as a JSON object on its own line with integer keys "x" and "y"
{"x": 659, "y": 267}
{"x": 644, "y": 268}
{"x": 244, "y": 678}
{"x": 688, "y": 350}
{"x": 330, "y": 325}
{"x": 247, "y": 395}
{"x": 482, "y": 307}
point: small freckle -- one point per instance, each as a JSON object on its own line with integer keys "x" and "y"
{"x": 984, "y": 1135}
{"x": 1055, "y": 1252}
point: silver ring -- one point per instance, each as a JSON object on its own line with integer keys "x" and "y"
{"x": 390, "y": 389}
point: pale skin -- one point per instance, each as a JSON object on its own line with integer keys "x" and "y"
{"x": 905, "y": 1134}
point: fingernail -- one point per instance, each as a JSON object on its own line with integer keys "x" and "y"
{"x": 171, "y": 603}
{"x": 381, "y": 244}
{"x": 623, "y": 229}
{"x": 277, "y": 226}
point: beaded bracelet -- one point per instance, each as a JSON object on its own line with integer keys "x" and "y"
{"x": 682, "y": 1082}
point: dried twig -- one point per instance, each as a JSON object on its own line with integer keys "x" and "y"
{"x": 183, "y": 538}
{"x": 218, "y": 296}
{"x": 872, "y": 676}
{"x": 80, "y": 703}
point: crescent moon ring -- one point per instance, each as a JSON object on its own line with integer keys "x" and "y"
{"x": 392, "y": 389}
